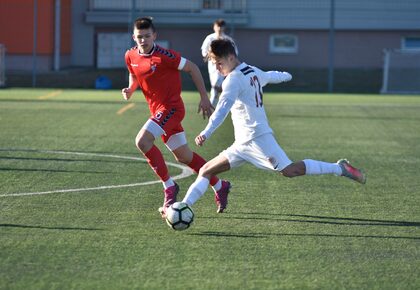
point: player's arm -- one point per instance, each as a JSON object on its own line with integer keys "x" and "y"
{"x": 231, "y": 90}
{"x": 222, "y": 110}
{"x": 133, "y": 84}
{"x": 275, "y": 77}
{"x": 204, "y": 106}
{"x": 205, "y": 48}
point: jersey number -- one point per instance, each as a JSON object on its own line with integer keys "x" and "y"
{"x": 258, "y": 92}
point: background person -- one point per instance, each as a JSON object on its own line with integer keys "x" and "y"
{"x": 216, "y": 78}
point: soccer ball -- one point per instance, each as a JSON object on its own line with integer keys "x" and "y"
{"x": 179, "y": 216}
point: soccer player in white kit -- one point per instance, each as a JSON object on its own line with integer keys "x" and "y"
{"x": 216, "y": 78}
{"x": 255, "y": 143}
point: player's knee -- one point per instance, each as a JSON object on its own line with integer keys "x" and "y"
{"x": 182, "y": 159}
{"x": 288, "y": 173}
{"x": 143, "y": 144}
{"x": 292, "y": 170}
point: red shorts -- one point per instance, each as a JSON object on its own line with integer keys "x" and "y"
{"x": 169, "y": 119}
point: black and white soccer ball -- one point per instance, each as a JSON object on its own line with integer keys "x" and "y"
{"x": 179, "y": 216}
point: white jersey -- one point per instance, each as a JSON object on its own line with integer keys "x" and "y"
{"x": 242, "y": 95}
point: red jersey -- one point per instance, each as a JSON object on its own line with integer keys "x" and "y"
{"x": 158, "y": 76}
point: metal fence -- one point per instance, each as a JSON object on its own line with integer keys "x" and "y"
{"x": 2, "y": 65}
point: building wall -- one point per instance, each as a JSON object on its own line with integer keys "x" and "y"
{"x": 353, "y": 49}
{"x": 16, "y": 31}
{"x": 363, "y": 29}
{"x": 349, "y": 14}
{"x": 83, "y": 36}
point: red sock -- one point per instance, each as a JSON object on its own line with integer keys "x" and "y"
{"x": 197, "y": 162}
{"x": 156, "y": 162}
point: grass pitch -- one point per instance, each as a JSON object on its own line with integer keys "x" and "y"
{"x": 72, "y": 216}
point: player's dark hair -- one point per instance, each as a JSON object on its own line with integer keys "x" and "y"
{"x": 220, "y": 22}
{"x": 222, "y": 48}
{"x": 144, "y": 23}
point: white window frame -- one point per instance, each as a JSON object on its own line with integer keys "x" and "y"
{"x": 286, "y": 50}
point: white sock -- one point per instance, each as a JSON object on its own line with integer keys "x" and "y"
{"x": 196, "y": 190}
{"x": 168, "y": 183}
{"x": 217, "y": 186}
{"x": 315, "y": 167}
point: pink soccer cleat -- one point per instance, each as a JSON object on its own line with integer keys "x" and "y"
{"x": 351, "y": 172}
{"x": 170, "y": 198}
{"x": 221, "y": 196}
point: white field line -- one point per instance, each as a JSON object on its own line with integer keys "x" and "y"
{"x": 186, "y": 171}
{"x": 50, "y": 95}
{"x": 125, "y": 108}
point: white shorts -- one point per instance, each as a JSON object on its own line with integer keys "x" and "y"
{"x": 174, "y": 142}
{"x": 264, "y": 152}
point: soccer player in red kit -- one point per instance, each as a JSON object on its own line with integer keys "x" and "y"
{"x": 156, "y": 71}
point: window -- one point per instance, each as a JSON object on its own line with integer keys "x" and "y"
{"x": 410, "y": 43}
{"x": 211, "y": 4}
{"x": 283, "y": 43}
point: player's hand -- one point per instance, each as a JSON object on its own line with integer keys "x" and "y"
{"x": 200, "y": 139}
{"x": 126, "y": 92}
{"x": 205, "y": 107}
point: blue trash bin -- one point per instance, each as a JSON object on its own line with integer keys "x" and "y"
{"x": 103, "y": 83}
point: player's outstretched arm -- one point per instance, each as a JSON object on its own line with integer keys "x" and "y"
{"x": 276, "y": 77}
{"x": 204, "y": 106}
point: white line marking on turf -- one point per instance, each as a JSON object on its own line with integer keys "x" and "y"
{"x": 186, "y": 171}
{"x": 50, "y": 95}
{"x": 125, "y": 108}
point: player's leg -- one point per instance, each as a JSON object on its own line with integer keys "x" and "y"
{"x": 316, "y": 167}
{"x": 266, "y": 145}
{"x": 305, "y": 167}
{"x": 311, "y": 167}
{"x": 229, "y": 158}
{"x": 177, "y": 144}
{"x": 265, "y": 152}
{"x": 216, "y": 80}
{"x": 145, "y": 143}
{"x": 213, "y": 167}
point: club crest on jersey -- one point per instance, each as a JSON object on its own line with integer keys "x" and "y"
{"x": 153, "y": 68}
{"x": 158, "y": 115}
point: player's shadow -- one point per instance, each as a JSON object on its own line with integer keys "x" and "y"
{"x": 300, "y": 218}
{"x": 129, "y": 154}
{"x": 51, "y": 170}
{"x": 266, "y": 235}
{"x": 48, "y": 228}
{"x": 63, "y": 101}
{"x": 328, "y": 117}
{"x": 66, "y": 160}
